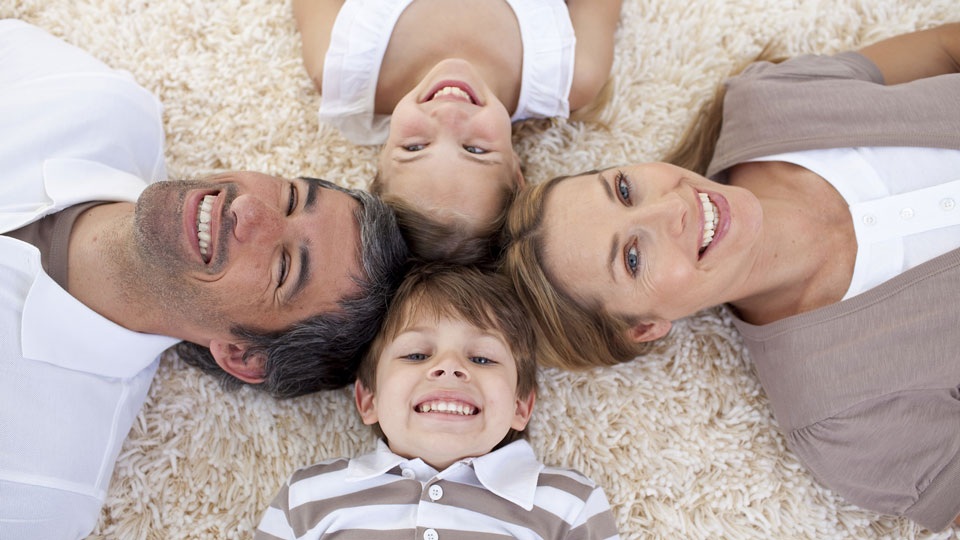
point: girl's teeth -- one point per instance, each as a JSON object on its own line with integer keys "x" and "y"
{"x": 452, "y": 90}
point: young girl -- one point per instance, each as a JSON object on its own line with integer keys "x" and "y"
{"x": 440, "y": 81}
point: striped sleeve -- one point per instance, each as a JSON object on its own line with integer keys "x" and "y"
{"x": 277, "y": 522}
{"x": 596, "y": 521}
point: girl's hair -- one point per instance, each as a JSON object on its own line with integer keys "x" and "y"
{"x": 573, "y": 335}
{"x": 452, "y": 241}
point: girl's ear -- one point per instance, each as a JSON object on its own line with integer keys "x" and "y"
{"x": 518, "y": 171}
{"x": 230, "y": 358}
{"x": 648, "y": 331}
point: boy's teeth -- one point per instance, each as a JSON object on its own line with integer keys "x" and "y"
{"x": 203, "y": 224}
{"x": 450, "y": 407}
{"x": 448, "y": 90}
{"x": 711, "y": 216}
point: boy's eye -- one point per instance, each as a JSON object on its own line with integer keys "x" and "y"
{"x": 483, "y": 361}
{"x": 414, "y": 147}
{"x": 416, "y": 356}
{"x": 474, "y": 149}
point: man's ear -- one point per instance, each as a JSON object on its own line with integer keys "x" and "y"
{"x": 365, "y": 404}
{"x": 524, "y": 410}
{"x": 229, "y": 357}
{"x": 648, "y": 331}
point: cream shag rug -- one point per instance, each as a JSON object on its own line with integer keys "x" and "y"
{"x": 682, "y": 440}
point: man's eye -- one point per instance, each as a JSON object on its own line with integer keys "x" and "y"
{"x": 292, "y": 203}
{"x": 474, "y": 149}
{"x": 415, "y": 356}
{"x": 284, "y": 269}
{"x": 414, "y": 147}
{"x": 632, "y": 260}
{"x": 482, "y": 360}
{"x": 623, "y": 186}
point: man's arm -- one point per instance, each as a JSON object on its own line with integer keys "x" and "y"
{"x": 594, "y": 23}
{"x": 315, "y": 20}
{"x": 917, "y": 55}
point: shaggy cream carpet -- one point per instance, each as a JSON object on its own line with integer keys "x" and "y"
{"x": 682, "y": 440}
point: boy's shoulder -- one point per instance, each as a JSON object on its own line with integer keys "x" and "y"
{"x": 321, "y": 468}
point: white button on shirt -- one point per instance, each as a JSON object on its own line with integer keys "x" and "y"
{"x": 435, "y": 492}
{"x": 430, "y": 534}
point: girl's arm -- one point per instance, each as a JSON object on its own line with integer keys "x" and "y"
{"x": 594, "y": 22}
{"x": 917, "y": 55}
{"x": 315, "y": 21}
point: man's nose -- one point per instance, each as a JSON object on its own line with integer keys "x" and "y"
{"x": 449, "y": 365}
{"x": 255, "y": 220}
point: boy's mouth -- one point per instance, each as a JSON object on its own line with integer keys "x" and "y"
{"x": 444, "y": 406}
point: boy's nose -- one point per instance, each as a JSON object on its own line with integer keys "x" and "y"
{"x": 448, "y": 365}
{"x": 255, "y": 221}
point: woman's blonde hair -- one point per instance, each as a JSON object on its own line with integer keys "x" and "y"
{"x": 573, "y": 335}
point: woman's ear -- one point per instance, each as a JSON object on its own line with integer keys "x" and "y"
{"x": 365, "y": 405}
{"x": 229, "y": 357}
{"x": 648, "y": 331}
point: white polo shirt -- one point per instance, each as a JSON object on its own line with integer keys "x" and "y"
{"x": 71, "y": 382}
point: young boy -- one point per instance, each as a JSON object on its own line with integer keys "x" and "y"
{"x": 450, "y": 381}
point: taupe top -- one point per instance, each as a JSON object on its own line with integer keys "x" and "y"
{"x": 865, "y": 390}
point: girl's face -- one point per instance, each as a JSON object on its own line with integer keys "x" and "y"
{"x": 449, "y": 147}
{"x": 651, "y": 243}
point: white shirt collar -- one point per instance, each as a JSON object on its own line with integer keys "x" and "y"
{"x": 59, "y": 329}
{"x": 510, "y": 472}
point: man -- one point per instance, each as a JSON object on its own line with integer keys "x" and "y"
{"x": 274, "y": 282}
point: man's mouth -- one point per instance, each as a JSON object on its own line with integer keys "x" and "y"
{"x": 711, "y": 217}
{"x": 203, "y": 226}
{"x": 448, "y": 407}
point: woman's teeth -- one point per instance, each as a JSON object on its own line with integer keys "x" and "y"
{"x": 203, "y": 224}
{"x": 449, "y": 407}
{"x": 711, "y": 216}
{"x": 452, "y": 91}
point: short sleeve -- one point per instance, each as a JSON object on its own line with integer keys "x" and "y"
{"x": 897, "y": 454}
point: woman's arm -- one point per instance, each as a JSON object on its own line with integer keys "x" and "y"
{"x": 315, "y": 21}
{"x": 917, "y": 55}
{"x": 594, "y": 22}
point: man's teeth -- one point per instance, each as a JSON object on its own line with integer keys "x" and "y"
{"x": 711, "y": 216}
{"x": 452, "y": 90}
{"x": 203, "y": 223}
{"x": 449, "y": 407}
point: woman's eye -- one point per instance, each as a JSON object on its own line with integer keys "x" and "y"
{"x": 284, "y": 269}
{"x": 632, "y": 260}
{"x": 415, "y": 356}
{"x": 482, "y": 360}
{"x": 414, "y": 147}
{"x": 623, "y": 187}
{"x": 474, "y": 149}
{"x": 292, "y": 203}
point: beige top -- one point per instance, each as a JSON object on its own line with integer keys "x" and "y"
{"x": 865, "y": 390}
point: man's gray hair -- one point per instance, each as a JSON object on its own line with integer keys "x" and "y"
{"x": 323, "y": 351}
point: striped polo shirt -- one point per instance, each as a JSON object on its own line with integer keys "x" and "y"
{"x": 504, "y": 494}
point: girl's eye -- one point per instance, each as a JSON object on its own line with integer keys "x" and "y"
{"x": 414, "y": 147}
{"x": 483, "y": 361}
{"x": 284, "y": 269}
{"x": 632, "y": 260}
{"x": 292, "y": 203}
{"x": 623, "y": 186}
{"x": 474, "y": 149}
{"x": 415, "y": 356}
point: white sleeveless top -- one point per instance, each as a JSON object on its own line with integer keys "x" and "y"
{"x": 359, "y": 40}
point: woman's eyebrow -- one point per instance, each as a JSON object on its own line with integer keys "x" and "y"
{"x": 606, "y": 187}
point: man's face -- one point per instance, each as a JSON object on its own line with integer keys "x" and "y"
{"x": 445, "y": 390}
{"x": 245, "y": 249}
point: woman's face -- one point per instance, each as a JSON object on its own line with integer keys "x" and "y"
{"x": 450, "y": 146}
{"x": 637, "y": 240}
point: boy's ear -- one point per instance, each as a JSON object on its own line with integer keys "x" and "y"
{"x": 524, "y": 410}
{"x": 365, "y": 405}
{"x": 648, "y": 331}
{"x": 229, "y": 357}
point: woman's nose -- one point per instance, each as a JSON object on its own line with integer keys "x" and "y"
{"x": 255, "y": 221}
{"x": 668, "y": 212}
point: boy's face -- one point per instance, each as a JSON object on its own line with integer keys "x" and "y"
{"x": 446, "y": 390}
{"x": 450, "y": 146}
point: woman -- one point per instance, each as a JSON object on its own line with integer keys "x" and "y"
{"x": 439, "y": 81}
{"x": 831, "y": 231}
